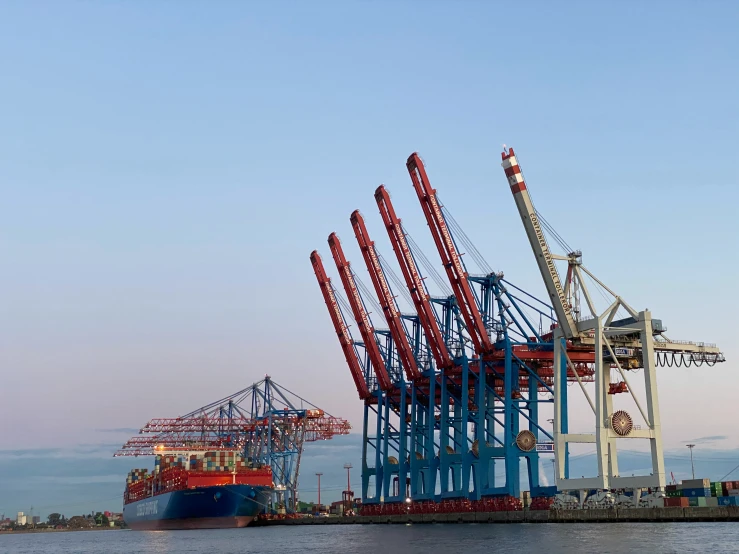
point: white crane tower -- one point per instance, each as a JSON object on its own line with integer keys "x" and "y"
{"x": 619, "y": 347}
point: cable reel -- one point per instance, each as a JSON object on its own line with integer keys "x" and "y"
{"x": 526, "y": 441}
{"x": 621, "y": 423}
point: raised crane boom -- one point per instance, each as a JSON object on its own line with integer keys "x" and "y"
{"x": 449, "y": 256}
{"x": 342, "y": 331}
{"x": 413, "y": 280}
{"x": 537, "y": 239}
{"x": 360, "y": 314}
{"x": 387, "y": 300}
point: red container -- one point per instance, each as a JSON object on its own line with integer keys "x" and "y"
{"x": 677, "y": 502}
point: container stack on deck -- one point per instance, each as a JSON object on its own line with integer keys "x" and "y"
{"x": 136, "y": 475}
{"x": 702, "y": 492}
{"x": 201, "y": 461}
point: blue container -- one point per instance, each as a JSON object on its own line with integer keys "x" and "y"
{"x": 696, "y": 492}
{"x": 728, "y": 500}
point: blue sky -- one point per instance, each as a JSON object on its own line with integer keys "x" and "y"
{"x": 166, "y": 169}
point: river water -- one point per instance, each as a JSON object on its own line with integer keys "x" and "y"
{"x": 542, "y": 538}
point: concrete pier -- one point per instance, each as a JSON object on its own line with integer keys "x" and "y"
{"x": 615, "y": 515}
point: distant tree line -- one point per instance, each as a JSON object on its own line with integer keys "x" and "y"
{"x": 57, "y": 520}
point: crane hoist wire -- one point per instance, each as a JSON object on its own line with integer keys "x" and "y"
{"x": 544, "y": 223}
{"x": 345, "y": 307}
{"x": 399, "y": 286}
{"x": 552, "y": 231}
{"x": 427, "y": 265}
{"x": 458, "y": 233}
{"x": 367, "y": 295}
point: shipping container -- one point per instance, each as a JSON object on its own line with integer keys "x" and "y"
{"x": 712, "y": 502}
{"x": 697, "y": 484}
{"x": 728, "y": 501}
{"x": 676, "y": 502}
{"x": 692, "y": 493}
{"x": 697, "y": 501}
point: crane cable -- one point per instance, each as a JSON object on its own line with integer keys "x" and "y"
{"x": 365, "y": 293}
{"x": 732, "y": 471}
{"x": 552, "y": 231}
{"x": 458, "y": 232}
{"x": 427, "y": 265}
{"x": 388, "y": 271}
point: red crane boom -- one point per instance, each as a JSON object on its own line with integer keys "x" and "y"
{"x": 449, "y": 256}
{"x": 360, "y": 314}
{"x": 345, "y": 338}
{"x": 425, "y": 312}
{"x": 387, "y": 301}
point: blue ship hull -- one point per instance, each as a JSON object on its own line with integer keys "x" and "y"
{"x": 215, "y": 507}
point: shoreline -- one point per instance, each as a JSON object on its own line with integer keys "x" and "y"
{"x": 614, "y": 515}
{"x": 27, "y": 531}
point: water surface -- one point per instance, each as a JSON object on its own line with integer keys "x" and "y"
{"x": 541, "y": 538}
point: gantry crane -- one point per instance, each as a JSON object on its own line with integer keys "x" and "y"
{"x": 387, "y": 300}
{"x": 366, "y": 328}
{"x": 501, "y": 373}
{"x": 348, "y": 346}
{"x": 266, "y": 422}
{"x": 461, "y": 391}
{"x": 622, "y": 345}
{"x": 418, "y": 394}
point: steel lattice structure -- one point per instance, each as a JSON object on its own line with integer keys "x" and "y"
{"x": 266, "y": 422}
{"x": 453, "y": 391}
{"x": 620, "y": 345}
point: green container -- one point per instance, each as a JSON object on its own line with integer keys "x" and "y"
{"x": 697, "y": 501}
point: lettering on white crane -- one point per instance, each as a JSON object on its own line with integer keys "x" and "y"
{"x": 550, "y": 263}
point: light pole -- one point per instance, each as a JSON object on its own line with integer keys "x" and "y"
{"x": 692, "y": 467}
{"x": 347, "y": 467}
{"x": 347, "y": 497}
{"x": 319, "y": 489}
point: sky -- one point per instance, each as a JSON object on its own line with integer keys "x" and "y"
{"x": 167, "y": 168}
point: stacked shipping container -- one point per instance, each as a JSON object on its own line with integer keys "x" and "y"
{"x": 178, "y": 471}
{"x": 702, "y": 492}
{"x": 202, "y": 461}
{"x": 136, "y": 475}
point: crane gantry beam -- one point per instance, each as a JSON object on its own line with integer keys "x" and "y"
{"x": 340, "y": 326}
{"x": 450, "y": 258}
{"x": 413, "y": 280}
{"x": 366, "y": 328}
{"x": 385, "y": 296}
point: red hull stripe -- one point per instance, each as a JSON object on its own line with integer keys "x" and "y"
{"x": 191, "y": 523}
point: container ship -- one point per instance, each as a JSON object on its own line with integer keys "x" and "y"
{"x": 205, "y": 490}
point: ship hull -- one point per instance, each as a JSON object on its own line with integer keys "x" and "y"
{"x": 216, "y": 507}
